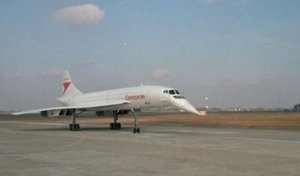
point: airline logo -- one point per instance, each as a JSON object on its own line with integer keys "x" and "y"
{"x": 134, "y": 97}
{"x": 66, "y": 85}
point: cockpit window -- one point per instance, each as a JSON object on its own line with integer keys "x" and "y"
{"x": 165, "y": 91}
{"x": 172, "y": 92}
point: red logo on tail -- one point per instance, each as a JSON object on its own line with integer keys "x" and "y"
{"x": 66, "y": 85}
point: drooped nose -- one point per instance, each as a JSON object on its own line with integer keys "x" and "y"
{"x": 190, "y": 108}
{"x": 185, "y": 106}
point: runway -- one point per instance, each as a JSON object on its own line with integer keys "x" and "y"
{"x": 51, "y": 149}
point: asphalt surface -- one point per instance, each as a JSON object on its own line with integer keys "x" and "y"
{"x": 51, "y": 149}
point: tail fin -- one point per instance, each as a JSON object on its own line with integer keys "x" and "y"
{"x": 69, "y": 89}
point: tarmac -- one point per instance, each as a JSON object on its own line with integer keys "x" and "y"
{"x": 51, "y": 149}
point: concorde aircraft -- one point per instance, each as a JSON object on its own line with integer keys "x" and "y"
{"x": 118, "y": 101}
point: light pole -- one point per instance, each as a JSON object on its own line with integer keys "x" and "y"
{"x": 206, "y": 104}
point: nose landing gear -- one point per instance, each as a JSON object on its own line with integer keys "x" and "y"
{"x": 135, "y": 129}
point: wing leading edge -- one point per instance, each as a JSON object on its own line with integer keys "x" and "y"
{"x": 93, "y": 106}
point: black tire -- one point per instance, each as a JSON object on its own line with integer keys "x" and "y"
{"x": 136, "y": 130}
{"x": 77, "y": 127}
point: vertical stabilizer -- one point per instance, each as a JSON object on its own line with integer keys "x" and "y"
{"x": 68, "y": 88}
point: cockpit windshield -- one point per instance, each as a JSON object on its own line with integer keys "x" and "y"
{"x": 172, "y": 92}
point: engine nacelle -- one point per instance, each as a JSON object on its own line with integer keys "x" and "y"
{"x": 104, "y": 113}
{"x": 110, "y": 113}
{"x": 53, "y": 113}
{"x": 123, "y": 112}
{"x": 100, "y": 113}
{"x": 56, "y": 113}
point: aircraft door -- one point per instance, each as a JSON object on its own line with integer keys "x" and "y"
{"x": 147, "y": 98}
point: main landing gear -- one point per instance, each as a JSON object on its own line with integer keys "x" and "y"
{"x": 115, "y": 125}
{"x": 74, "y": 126}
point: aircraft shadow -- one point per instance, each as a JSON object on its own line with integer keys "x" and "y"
{"x": 83, "y": 128}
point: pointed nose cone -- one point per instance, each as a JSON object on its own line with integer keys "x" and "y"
{"x": 190, "y": 108}
{"x": 185, "y": 106}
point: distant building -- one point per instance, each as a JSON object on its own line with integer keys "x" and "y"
{"x": 297, "y": 108}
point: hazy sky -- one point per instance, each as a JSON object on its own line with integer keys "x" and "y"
{"x": 238, "y": 53}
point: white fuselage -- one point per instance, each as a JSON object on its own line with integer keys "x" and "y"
{"x": 142, "y": 97}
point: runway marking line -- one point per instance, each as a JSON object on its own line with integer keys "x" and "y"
{"x": 81, "y": 140}
{"x": 195, "y": 131}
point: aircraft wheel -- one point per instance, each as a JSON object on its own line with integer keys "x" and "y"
{"x": 136, "y": 130}
{"x": 77, "y": 127}
{"x": 115, "y": 126}
{"x": 74, "y": 127}
{"x": 118, "y": 126}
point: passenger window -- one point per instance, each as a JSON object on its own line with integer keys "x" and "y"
{"x": 165, "y": 91}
